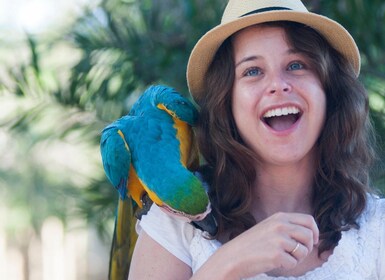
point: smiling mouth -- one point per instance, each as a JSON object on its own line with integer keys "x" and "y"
{"x": 281, "y": 119}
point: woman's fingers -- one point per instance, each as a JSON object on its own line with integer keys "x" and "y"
{"x": 300, "y": 227}
{"x": 299, "y": 233}
{"x": 302, "y": 235}
{"x": 280, "y": 241}
{"x": 300, "y": 251}
{"x": 307, "y": 222}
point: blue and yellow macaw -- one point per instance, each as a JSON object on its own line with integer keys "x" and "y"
{"x": 146, "y": 154}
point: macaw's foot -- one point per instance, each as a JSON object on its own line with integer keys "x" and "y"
{"x": 147, "y": 202}
{"x": 208, "y": 224}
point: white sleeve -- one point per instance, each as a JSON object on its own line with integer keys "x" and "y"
{"x": 171, "y": 233}
{"x": 381, "y": 261}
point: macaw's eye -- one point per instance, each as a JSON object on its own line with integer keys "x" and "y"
{"x": 296, "y": 66}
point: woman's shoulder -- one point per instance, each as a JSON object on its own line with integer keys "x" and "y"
{"x": 379, "y": 204}
{"x": 372, "y": 220}
{"x": 371, "y": 231}
{"x": 374, "y": 212}
{"x": 370, "y": 239}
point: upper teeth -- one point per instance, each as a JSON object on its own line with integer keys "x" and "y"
{"x": 281, "y": 112}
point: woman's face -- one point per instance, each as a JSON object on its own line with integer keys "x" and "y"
{"x": 278, "y": 101}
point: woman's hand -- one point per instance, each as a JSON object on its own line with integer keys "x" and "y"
{"x": 281, "y": 241}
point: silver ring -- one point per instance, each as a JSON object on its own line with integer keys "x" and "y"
{"x": 295, "y": 249}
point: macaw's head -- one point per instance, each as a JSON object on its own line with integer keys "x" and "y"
{"x": 171, "y": 101}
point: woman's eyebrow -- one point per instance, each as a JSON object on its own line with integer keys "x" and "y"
{"x": 293, "y": 51}
{"x": 247, "y": 58}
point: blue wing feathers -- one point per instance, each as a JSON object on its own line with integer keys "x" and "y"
{"x": 116, "y": 158}
{"x": 154, "y": 149}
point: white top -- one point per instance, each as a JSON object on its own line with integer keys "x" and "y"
{"x": 360, "y": 254}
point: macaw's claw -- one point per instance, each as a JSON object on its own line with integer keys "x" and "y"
{"x": 146, "y": 202}
{"x": 208, "y": 224}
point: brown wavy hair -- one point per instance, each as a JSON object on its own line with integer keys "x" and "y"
{"x": 345, "y": 153}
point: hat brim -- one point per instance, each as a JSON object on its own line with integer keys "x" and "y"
{"x": 205, "y": 49}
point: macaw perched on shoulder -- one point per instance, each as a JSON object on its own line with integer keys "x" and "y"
{"x": 146, "y": 154}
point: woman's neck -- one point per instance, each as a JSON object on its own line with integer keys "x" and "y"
{"x": 283, "y": 189}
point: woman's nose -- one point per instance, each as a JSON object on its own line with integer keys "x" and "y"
{"x": 279, "y": 84}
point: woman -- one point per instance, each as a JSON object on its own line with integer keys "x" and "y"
{"x": 284, "y": 130}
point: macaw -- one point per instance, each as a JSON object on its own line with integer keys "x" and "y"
{"x": 146, "y": 156}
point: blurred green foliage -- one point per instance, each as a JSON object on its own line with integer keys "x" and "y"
{"x": 127, "y": 45}
{"x": 111, "y": 54}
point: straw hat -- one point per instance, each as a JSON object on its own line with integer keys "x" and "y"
{"x": 243, "y": 13}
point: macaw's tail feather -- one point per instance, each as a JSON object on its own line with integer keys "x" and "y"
{"x": 123, "y": 242}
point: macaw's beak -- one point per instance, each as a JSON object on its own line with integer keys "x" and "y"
{"x": 208, "y": 224}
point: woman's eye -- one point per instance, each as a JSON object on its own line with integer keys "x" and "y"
{"x": 253, "y": 72}
{"x": 296, "y": 66}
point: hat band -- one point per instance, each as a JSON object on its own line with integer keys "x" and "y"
{"x": 265, "y": 10}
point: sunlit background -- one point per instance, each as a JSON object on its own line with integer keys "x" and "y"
{"x": 37, "y": 242}
{"x": 37, "y": 16}
{"x": 69, "y": 67}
